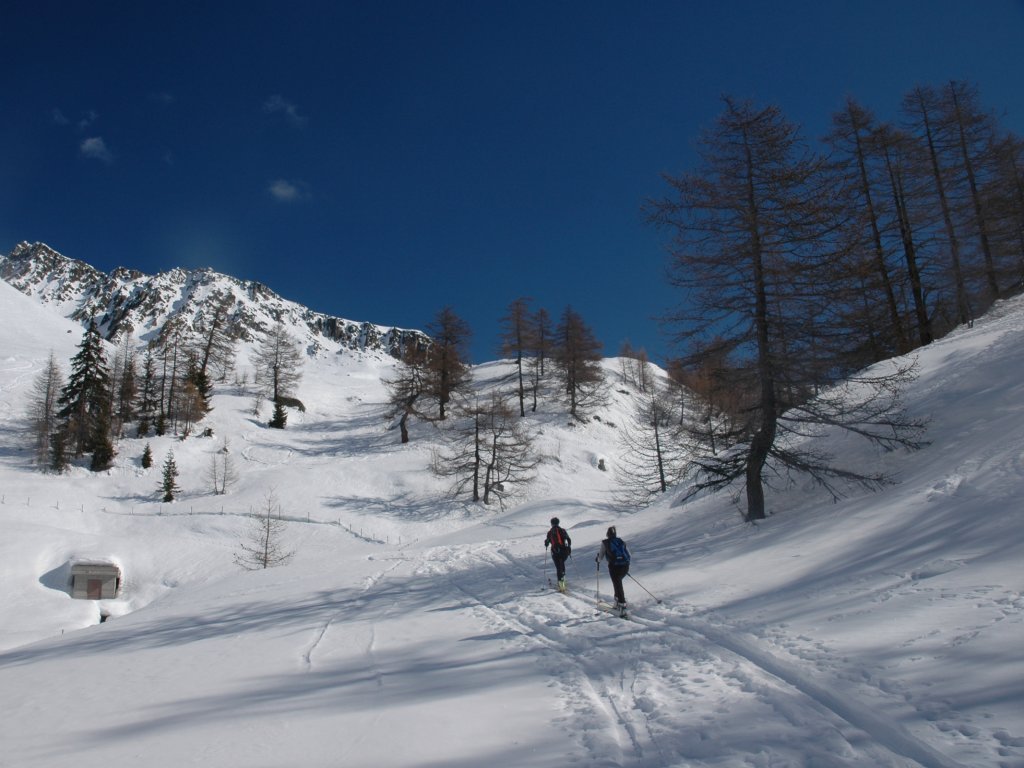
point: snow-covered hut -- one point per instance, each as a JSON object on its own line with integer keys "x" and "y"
{"x": 95, "y": 581}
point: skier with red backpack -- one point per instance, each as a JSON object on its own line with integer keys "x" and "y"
{"x": 561, "y": 547}
{"x": 614, "y": 550}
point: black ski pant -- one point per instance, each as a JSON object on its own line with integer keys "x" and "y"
{"x": 559, "y": 560}
{"x": 618, "y": 573}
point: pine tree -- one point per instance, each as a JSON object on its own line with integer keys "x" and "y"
{"x": 86, "y": 397}
{"x": 147, "y": 457}
{"x": 148, "y": 394}
{"x": 168, "y": 483}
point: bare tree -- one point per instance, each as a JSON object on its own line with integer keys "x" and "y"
{"x": 654, "y": 448}
{"x": 279, "y": 365}
{"x": 447, "y": 358}
{"x": 871, "y": 258}
{"x": 752, "y": 255}
{"x": 541, "y": 348}
{"x": 222, "y": 472}
{"x": 922, "y": 108}
{"x": 263, "y": 546}
{"x": 408, "y": 388}
{"x": 516, "y": 332}
{"x": 46, "y": 391}
{"x": 577, "y": 355}
{"x": 489, "y": 452}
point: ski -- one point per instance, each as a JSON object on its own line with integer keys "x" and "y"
{"x": 622, "y": 613}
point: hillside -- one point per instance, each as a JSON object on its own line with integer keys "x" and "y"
{"x": 410, "y": 630}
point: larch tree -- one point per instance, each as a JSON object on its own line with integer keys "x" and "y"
{"x": 922, "y": 108}
{"x": 541, "y": 348}
{"x": 263, "y": 546}
{"x": 447, "y": 358}
{"x": 487, "y": 452}
{"x": 408, "y": 388}
{"x": 654, "y": 447}
{"x": 516, "y": 332}
{"x": 279, "y": 366}
{"x": 577, "y": 354}
{"x": 870, "y": 256}
{"x": 46, "y": 391}
{"x": 753, "y": 257}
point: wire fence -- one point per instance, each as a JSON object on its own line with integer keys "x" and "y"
{"x": 177, "y": 509}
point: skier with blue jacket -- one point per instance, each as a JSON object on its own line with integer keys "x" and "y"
{"x": 614, "y": 550}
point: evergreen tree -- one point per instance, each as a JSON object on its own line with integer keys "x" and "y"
{"x": 168, "y": 482}
{"x": 147, "y": 457}
{"x": 86, "y": 397}
{"x": 58, "y": 451}
{"x": 147, "y": 395}
{"x": 102, "y": 446}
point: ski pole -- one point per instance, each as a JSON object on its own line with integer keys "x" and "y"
{"x": 645, "y": 589}
{"x": 597, "y": 579}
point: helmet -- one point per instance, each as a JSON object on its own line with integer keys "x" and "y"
{"x": 554, "y": 521}
{"x": 611, "y": 532}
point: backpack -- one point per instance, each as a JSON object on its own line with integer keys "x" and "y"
{"x": 560, "y": 542}
{"x": 617, "y": 552}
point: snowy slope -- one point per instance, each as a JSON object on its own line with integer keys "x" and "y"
{"x": 409, "y": 630}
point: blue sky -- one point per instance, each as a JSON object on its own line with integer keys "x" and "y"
{"x": 380, "y": 160}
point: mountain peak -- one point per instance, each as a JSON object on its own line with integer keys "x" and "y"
{"x": 132, "y": 302}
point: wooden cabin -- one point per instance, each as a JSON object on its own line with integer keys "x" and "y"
{"x": 95, "y": 581}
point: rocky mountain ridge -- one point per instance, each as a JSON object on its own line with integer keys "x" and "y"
{"x": 129, "y": 301}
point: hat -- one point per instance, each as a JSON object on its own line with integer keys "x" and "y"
{"x": 554, "y": 521}
{"x": 611, "y": 532}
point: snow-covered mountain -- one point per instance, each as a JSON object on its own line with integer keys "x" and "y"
{"x": 411, "y": 629}
{"x": 128, "y": 301}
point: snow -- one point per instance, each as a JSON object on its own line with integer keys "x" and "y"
{"x": 411, "y": 630}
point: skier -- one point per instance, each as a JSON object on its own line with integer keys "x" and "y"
{"x": 561, "y": 548}
{"x": 613, "y": 549}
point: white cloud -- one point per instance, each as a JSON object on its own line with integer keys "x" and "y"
{"x": 95, "y": 148}
{"x": 278, "y": 103}
{"x": 285, "y": 191}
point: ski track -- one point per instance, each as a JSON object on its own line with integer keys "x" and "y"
{"x": 321, "y": 632}
{"x": 642, "y": 708}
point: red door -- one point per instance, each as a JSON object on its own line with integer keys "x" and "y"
{"x": 94, "y": 589}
